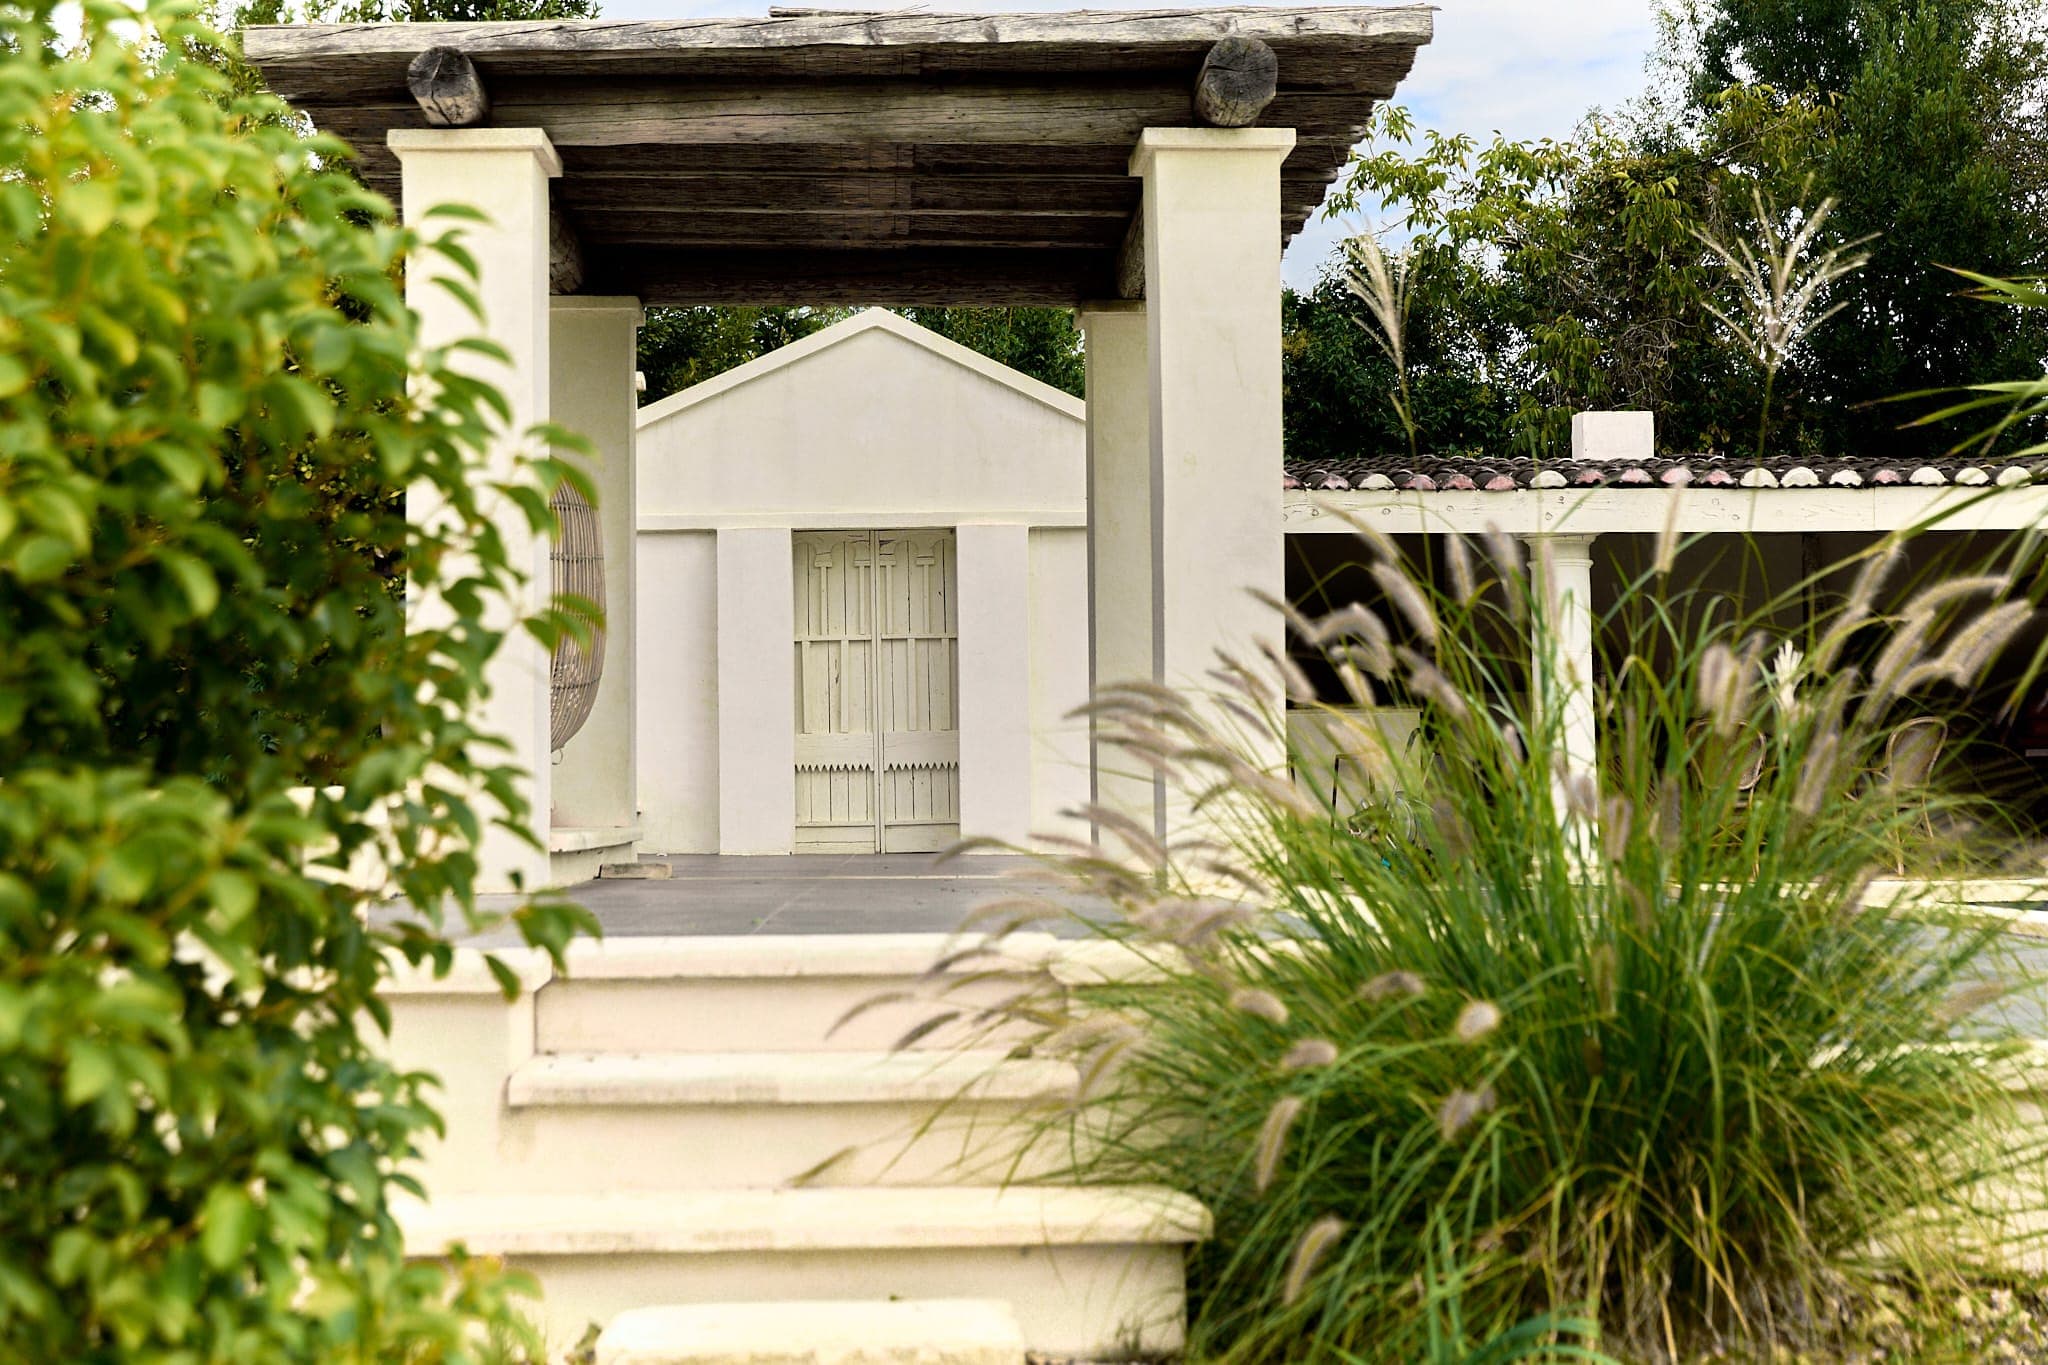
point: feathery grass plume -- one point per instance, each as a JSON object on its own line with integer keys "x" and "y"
{"x": 1308, "y": 1054}
{"x": 1972, "y": 650}
{"x": 1462, "y": 1108}
{"x": 1380, "y": 282}
{"x": 1458, "y": 564}
{"x": 1361, "y": 629}
{"x": 1272, "y": 1143}
{"x": 1392, "y": 986}
{"x": 1668, "y": 540}
{"x": 1784, "y": 287}
{"x": 1407, "y": 596}
{"x": 1932, "y": 598}
{"x": 1817, "y": 776}
{"x": 1308, "y": 1254}
{"x": 1264, "y": 1004}
{"x": 1478, "y": 1019}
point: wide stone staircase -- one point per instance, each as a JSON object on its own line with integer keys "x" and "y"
{"x": 679, "y": 1121}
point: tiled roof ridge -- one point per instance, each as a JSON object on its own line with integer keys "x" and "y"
{"x": 1470, "y": 472}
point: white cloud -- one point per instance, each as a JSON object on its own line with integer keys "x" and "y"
{"x": 1524, "y": 68}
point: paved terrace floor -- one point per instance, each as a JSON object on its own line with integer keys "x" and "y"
{"x": 893, "y": 893}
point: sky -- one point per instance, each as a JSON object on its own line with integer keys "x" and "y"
{"x": 1526, "y": 68}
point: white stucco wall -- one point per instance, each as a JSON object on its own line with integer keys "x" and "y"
{"x": 677, "y": 693}
{"x": 1059, "y": 679}
{"x": 873, "y": 423}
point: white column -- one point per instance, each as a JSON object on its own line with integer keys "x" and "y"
{"x": 1561, "y": 658}
{"x": 504, "y": 173}
{"x": 593, "y": 394}
{"x": 1120, "y": 541}
{"x": 1212, "y": 290}
{"x": 994, "y": 565}
{"x": 756, "y": 692}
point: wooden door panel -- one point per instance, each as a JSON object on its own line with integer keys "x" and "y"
{"x": 877, "y": 729}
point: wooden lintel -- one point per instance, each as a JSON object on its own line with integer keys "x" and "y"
{"x": 450, "y": 93}
{"x": 1130, "y": 259}
{"x": 1238, "y": 79}
{"x": 921, "y": 276}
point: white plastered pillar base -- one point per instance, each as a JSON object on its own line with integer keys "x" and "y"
{"x": 1120, "y": 539}
{"x": 756, "y": 691}
{"x": 1212, "y": 290}
{"x": 995, "y": 682}
{"x": 594, "y": 782}
{"x": 504, "y": 173}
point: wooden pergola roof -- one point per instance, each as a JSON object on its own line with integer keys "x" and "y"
{"x": 842, "y": 157}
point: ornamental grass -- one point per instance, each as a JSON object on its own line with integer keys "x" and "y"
{"x": 1509, "y": 1040}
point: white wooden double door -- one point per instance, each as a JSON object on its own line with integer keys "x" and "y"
{"x": 877, "y": 681}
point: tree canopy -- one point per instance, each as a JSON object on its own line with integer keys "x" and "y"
{"x": 1553, "y": 276}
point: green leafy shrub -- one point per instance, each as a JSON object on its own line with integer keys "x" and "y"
{"x": 208, "y": 405}
{"x": 1628, "y": 1040}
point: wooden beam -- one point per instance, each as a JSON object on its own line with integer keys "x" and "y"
{"x": 1238, "y": 79}
{"x": 933, "y": 276}
{"x": 649, "y": 113}
{"x": 448, "y": 90}
{"x": 1130, "y": 259}
{"x": 802, "y": 231}
{"x": 1020, "y": 196}
{"x": 565, "y": 254}
{"x": 1336, "y": 47}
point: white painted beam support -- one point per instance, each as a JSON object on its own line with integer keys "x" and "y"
{"x": 1212, "y": 285}
{"x": 995, "y": 682}
{"x": 593, "y": 395}
{"x": 1561, "y": 659}
{"x": 756, "y": 692}
{"x": 1120, "y": 536}
{"x": 503, "y": 172}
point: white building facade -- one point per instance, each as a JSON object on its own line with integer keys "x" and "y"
{"x": 863, "y": 616}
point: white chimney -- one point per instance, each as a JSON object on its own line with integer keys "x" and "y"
{"x": 1614, "y": 436}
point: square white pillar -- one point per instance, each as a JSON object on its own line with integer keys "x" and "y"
{"x": 994, "y": 565}
{"x": 1212, "y": 293}
{"x": 504, "y": 173}
{"x": 756, "y": 691}
{"x": 593, "y": 394}
{"x": 1120, "y": 535}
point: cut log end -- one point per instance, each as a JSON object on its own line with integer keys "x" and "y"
{"x": 450, "y": 92}
{"x": 1239, "y": 78}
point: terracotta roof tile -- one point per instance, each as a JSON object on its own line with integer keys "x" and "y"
{"x": 1502, "y": 474}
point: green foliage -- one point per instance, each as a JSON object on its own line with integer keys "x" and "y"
{"x": 684, "y": 346}
{"x": 1630, "y": 1040}
{"x": 1044, "y": 343}
{"x": 1568, "y": 275}
{"x": 210, "y": 394}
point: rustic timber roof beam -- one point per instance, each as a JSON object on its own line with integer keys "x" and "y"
{"x": 910, "y": 148}
{"x": 447, "y": 88}
{"x": 1238, "y": 79}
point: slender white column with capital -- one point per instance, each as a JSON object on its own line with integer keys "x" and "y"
{"x": 1120, "y": 539}
{"x": 594, "y": 395}
{"x": 1212, "y": 293}
{"x": 1561, "y": 659}
{"x": 504, "y": 173}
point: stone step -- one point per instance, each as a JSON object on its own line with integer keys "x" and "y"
{"x": 680, "y": 1121}
{"x": 789, "y": 993}
{"x": 1091, "y": 1271}
{"x": 841, "y": 1332}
